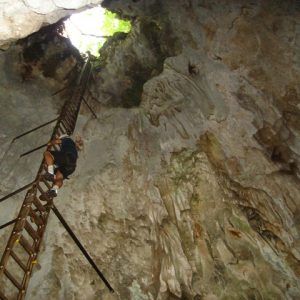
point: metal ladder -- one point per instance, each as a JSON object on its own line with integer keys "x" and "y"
{"x": 24, "y": 243}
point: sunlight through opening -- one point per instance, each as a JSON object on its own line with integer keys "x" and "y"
{"x": 89, "y": 29}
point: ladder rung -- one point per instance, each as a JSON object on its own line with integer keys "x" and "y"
{"x": 18, "y": 260}
{"x": 68, "y": 119}
{"x": 40, "y": 189}
{"x": 13, "y": 280}
{"x": 65, "y": 120}
{"x": 37, "y": 219}
{"x": 72, "y": 106}
{"x": 26, "y": 245}
{"x": 63, "y": 126}
{"x": 38, "y": 204}
{"x": 71, "y": 111}
{"x": 31, "y": 231}
{"x": 66, "y": 125}
{"x": 60, "y": 131}
{"x": 67, "y": 115}
{"x": 45, "y": 182}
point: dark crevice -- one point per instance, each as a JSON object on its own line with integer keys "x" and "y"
{"x": 158, "y": 39}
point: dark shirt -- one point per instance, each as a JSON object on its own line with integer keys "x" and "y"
{"x": 68, "y": 146}
{"x": 65, "y": 159}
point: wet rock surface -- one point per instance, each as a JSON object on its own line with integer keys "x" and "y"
{"x": 192, "y": 190}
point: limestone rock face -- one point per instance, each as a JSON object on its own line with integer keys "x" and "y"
{"x": 20, "y": 18}
{"x": 188, "y": 184}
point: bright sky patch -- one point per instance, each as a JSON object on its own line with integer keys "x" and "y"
{"x": 89, "y": 29}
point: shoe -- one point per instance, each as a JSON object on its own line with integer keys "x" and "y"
{"x": 49, "y": 177}
{"x": 50, "y": 194}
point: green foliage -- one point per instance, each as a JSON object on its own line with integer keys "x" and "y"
{"x": 109, "y": 24}
{"x": 112, "y": 24}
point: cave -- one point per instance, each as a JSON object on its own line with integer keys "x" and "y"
{"x": 187, "y": 184}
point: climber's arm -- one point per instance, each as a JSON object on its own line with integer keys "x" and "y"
{"x": 54, "y": 142}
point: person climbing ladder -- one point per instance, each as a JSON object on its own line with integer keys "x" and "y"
{"x": 61, "y": 163}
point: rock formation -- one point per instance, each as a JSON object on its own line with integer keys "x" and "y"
{"x": 20, "y": 18}
{"x": 188, "y": 184}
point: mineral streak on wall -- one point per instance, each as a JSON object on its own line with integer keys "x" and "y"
{"x": 188, "y": 184}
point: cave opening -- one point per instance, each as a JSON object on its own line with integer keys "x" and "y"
{"x": 88, "y": 30}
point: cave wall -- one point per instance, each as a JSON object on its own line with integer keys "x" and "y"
{"x": 20, "y": 18}
{"x": 188, "y": 184}
{"x": 223, "y": 195}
